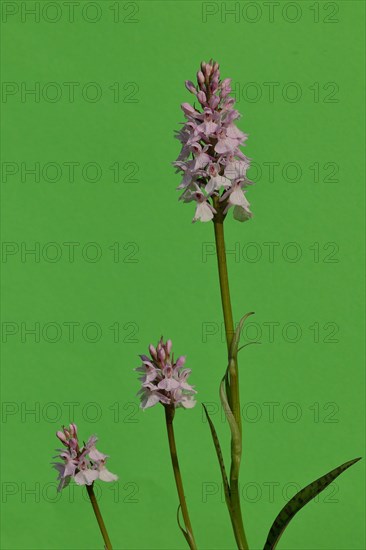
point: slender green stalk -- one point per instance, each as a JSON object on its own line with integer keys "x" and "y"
{"x": 169, "y": 416}
{"x": 233, "y": 387}
{"x": 98, "y": 515}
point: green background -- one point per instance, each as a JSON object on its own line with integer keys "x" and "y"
{"x": 164, "y": 284}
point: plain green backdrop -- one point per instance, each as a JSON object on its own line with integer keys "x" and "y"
{"x": 140, "y": 268}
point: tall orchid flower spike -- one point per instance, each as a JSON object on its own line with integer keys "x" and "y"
{"x": 214, "y": 176}
{"x": 84, "y": 464}
{"x": 214, "y": 172}
{"x": 213, "y": 165}
{"x": 165, "y": 380}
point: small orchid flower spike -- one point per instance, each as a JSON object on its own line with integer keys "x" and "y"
{"x": 213, "y": 166}
{"x": 163, "y": 379}
{"x": 84, "y": 464}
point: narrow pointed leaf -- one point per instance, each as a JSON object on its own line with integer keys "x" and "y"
{"x": 228, "y": 391}
{"x": 236, "y": 339}
{"x": 299, "y": 500}
{"x": 247, "y": 344}
{"x": 235, "y": 432}
{"x": 185, "y": 533}
{"x": 219, "y": 455}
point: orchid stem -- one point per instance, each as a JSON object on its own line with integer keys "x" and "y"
{"x": 233, "y": 386}
{"x": 169, "y": 416}
{"x": 98, "y": 515}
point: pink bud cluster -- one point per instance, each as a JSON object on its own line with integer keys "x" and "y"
{"x": 83, "y": 463}
{"x": 213, "y": 166}
{"x": 163, "y": 379}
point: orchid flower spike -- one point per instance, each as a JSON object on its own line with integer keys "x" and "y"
{"x": 163, "y": 379}
{"x": 84, "y": 464}
{"x": 213, "y": 166}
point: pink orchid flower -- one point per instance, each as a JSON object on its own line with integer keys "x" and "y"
{"x": 83, "y": 464}
{"x": 211, "y": 159}
{"x": 169, "y": 385}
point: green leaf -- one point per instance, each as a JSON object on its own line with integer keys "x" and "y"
{"x": 219, "y": 455}
{"x": 187, "y": 534}
{"x": 299, "y": 500}
{"x": 247, "y": 344}
{"x": 236, "y": 447}
{"x": 236, "y": 338}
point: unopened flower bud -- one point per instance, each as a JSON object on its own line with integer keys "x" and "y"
{"x": 214, "y": 101}
{"x": 201, "y": 96}
{"x": 200, "y": 77}
{"x": 225, "y": 87}
{"x": 215, "y": 78}
{"x": 208, "y": 70}
{"x": 161, "y": 355}
{"x": 191, "y": 87}
{"x": 73, "y": 443}
{"x": 152, "y": 351}
{"x": 214, "y": 86}
{"x": 61, "y": 437}
{"x": 73, "y": 430}
{"x": 169, "y": 346}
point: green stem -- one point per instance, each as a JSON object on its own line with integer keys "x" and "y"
{"x": 98, "y": 515}
{"x": 169, "y": 416}
{"x": 233, "y": 387}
